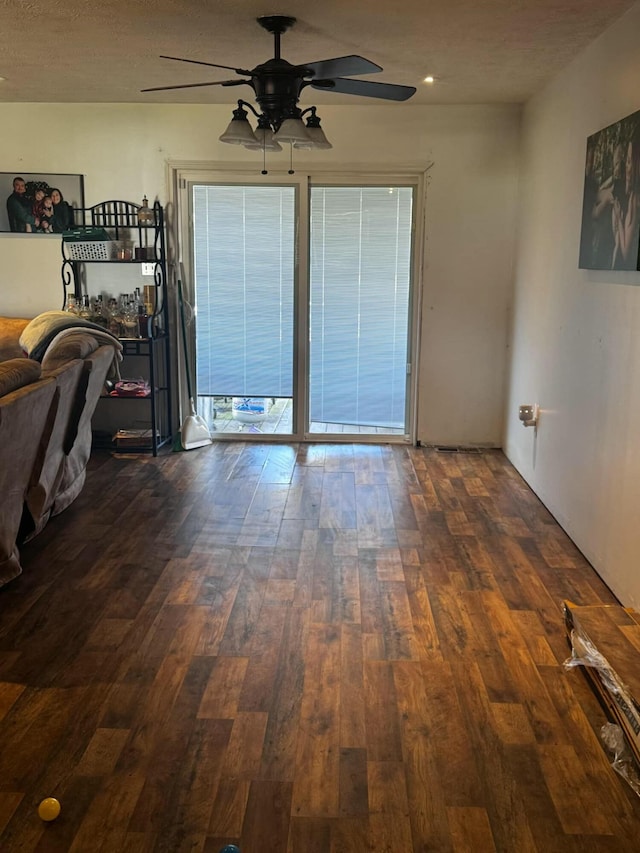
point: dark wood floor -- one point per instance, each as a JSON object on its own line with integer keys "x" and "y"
{"x": 317, "y": 648}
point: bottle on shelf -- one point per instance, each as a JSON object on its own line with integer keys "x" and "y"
{"x": 129, "y": 318}
{"x": 99, "y": 313}
{"x": 146, "y": 220}
{"x": 145, "y": 213}
{"x": 149, "y": 298}
{"x": 71, "y": 304}
{"x": 84, "y": 310}
{"x": 143, "y": 322}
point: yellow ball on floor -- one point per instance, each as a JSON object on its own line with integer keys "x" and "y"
{"x": 49, "y": 808}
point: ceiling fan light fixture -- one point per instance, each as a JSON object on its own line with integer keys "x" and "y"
{"x": 239, "y": 131}
{"x": 277, "y": 85}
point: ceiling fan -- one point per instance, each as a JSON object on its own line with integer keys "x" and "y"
{"x": 277, "y": 84}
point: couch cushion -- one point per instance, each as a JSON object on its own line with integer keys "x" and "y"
{"x": 10, "y": 330}
{"x": 17, "y": 372}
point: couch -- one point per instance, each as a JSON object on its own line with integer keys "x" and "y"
{"x": 46, "y": 406}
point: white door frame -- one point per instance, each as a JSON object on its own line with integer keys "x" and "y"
{"x": 182, "y": 175}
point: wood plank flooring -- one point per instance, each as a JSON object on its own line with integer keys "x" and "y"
{"x": 303, "y": 649}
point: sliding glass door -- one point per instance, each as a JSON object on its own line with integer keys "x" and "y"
{"x": 243, "y": 260}
{"x": 360, "y": 274}
{"x": 303, "y": 308}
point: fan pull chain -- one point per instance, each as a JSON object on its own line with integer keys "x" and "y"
{"x": 291, "y": 172}
{"x": 264, "y": 156}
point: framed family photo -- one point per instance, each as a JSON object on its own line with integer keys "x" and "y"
{"x": 610, "y": 236}
{"x": 39, "y": 203}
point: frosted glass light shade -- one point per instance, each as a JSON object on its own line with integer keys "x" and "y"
{"x": 239, "y": 132}
{"x": 292, "y": 130}
{"x": 264, "y": 138}
{"x": 318, "y": 138}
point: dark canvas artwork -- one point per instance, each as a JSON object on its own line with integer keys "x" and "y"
{"x": 611, "y": 204}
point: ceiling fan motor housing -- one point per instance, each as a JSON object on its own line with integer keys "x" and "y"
{"x": 277, "y": 85}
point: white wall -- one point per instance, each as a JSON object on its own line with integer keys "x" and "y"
{"x": 576, "y": 342}
{"x": 122, "y": 150}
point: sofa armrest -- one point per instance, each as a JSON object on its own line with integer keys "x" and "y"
{"x": 10, "y": 330}
{"x": 17, "y": 372}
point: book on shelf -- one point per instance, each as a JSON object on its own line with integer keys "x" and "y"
{"x": 135, "y": 437}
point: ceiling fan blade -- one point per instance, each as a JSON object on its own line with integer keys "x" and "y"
{"x": 342, "y": 66}
{"x": 210, "y": 64}
{"x": 196, "y": 85}
{"x": 388, "y": 91}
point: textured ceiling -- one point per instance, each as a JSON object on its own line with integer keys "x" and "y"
{"x": 496, "y": 51}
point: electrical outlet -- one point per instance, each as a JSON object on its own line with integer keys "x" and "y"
{"x": 148, "y": 269}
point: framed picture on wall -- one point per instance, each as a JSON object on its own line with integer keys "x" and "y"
{"x": 39, "y": 203}
{"x": 610, "y": 236}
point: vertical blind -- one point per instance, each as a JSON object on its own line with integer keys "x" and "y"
{"x": 359, "y": 286}
{"x": 244, "y": 255}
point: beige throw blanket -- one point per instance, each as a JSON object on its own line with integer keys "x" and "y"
{"x": 46, "y": 330}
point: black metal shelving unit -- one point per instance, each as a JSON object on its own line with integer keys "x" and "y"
{"x": 129, "y": 243}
